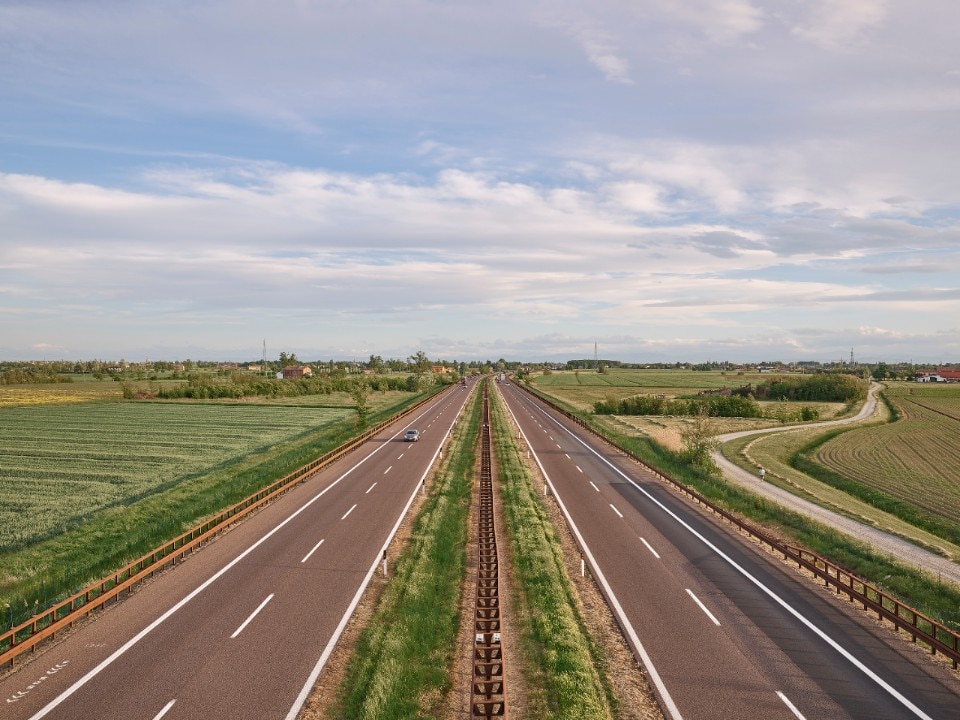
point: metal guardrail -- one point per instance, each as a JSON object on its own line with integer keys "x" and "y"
{"x": 488, "y": 697}
{"x": 936, "y": 636}
{"x": 61, "y": 615}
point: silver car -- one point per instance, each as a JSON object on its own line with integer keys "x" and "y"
{"x": 411, "y": 435}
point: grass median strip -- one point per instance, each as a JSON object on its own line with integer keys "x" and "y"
{"x": 402, "y": 664}
{"x": 561, "y": 661}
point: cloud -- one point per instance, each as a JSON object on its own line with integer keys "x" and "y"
{"x": 697, "y": 175}
{"x": 723, "y": 21}
{"x": 836, "y": 24}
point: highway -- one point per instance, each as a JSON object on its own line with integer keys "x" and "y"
{"x": 723, "y": 629}
{"x": 242, "y": 628}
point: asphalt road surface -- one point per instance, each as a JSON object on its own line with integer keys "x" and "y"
{"x": 723, "y": 629}
{"x": 243, "y": 628}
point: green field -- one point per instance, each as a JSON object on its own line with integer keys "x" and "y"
{"x": 61, "y": 463}
{"x": 916, "y": 459}
{"x": 580, "y": 389}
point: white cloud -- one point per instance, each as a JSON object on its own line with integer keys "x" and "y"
{"x": 688, "y": 173}
{"x": 723, "y": 21}
{"x": 836, "y": 24}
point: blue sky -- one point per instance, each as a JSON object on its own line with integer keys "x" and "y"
{"x": 701, "y": 179}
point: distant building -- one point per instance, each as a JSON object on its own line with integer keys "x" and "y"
{"x": 296, "y": 371}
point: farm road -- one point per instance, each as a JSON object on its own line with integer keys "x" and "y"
{"x": 906, "y": 551}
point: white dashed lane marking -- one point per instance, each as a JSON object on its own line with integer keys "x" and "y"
{"x": 256, "y": 612}
{"x": 312, "y": 551}
{"x": 650, "y": 548}
{"x": 703, "y": 607}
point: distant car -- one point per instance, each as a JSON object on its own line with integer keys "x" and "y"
{"x": 411, "y": 435}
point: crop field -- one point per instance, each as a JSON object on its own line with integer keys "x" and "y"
{"x": 581, "y": 389}
{"x": 60, "y": 463}
{"x": 59, "y": 393}
{"x": 916, "y": 459}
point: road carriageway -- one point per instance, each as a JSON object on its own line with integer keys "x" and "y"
{"x": 723, "y": 629}
{"x": 242, "y": 629}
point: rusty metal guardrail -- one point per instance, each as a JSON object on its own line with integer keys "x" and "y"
{"x": 488, "y": 696}
{"x": 936, "y": 636}
{"x": 61, "y": 615}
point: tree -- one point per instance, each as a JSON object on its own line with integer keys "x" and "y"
{"x": 881, "y": 371}
{"x": 358, "y": 391}
{"x": 699, "y": 441}
{"x": 288, "y": 360}
{"x": 420, "y": 366}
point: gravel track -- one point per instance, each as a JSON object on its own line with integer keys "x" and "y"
{"x": 896, "y": 547}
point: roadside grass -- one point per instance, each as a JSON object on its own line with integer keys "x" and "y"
{"x": 563, "y": 666}
{"x": 938, "y": 600}
{"x": 402, "y": 664}
{"x": 42, "y": 573}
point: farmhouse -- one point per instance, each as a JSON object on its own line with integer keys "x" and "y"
{"x": 296, "y": 371}
{"x": 941, "y": 375}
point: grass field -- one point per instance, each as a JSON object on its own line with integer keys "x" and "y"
{"x": 579, "y": 390}
{"x": 59, "y": 393}
{"x": 917, "y": 459}
{"x": 61, "y": 463}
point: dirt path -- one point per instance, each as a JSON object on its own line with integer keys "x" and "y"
{"x": 903, "y": 550}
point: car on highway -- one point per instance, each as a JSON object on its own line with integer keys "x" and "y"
{"x": 411, "y": 435}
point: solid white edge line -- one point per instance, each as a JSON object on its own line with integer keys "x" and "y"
{"x": 166, "y": 709}
{"x": 256, "y": 612}
{"x": 45, "y": 710}
{"x": 312, "y": 551}
{"x": 650, "y": 548}
{"x": 615, "y": 510}
{"x": 790, "y": 705}
{"x": 318, "y": 668}
{"x": 665, "y": 697}
{"x": 846, "y": 654}
{"x": 349, "y": 511}
{"x": 703, "y": 607}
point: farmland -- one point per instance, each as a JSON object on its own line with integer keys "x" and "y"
{"x": 581, "y": 389}
{"x": 59, "y": 393}
{"x": 61, "y": 463}
{"x": 915, "y": 460}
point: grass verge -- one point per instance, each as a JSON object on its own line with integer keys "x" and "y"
{"x": 561, "y": 662}
{"x": 402, "y": 663}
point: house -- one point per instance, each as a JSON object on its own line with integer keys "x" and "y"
{"x": 296, "y": 371}
{"x": 949, "y": 374}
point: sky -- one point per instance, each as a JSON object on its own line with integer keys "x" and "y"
{"x": 692, "y": 180}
